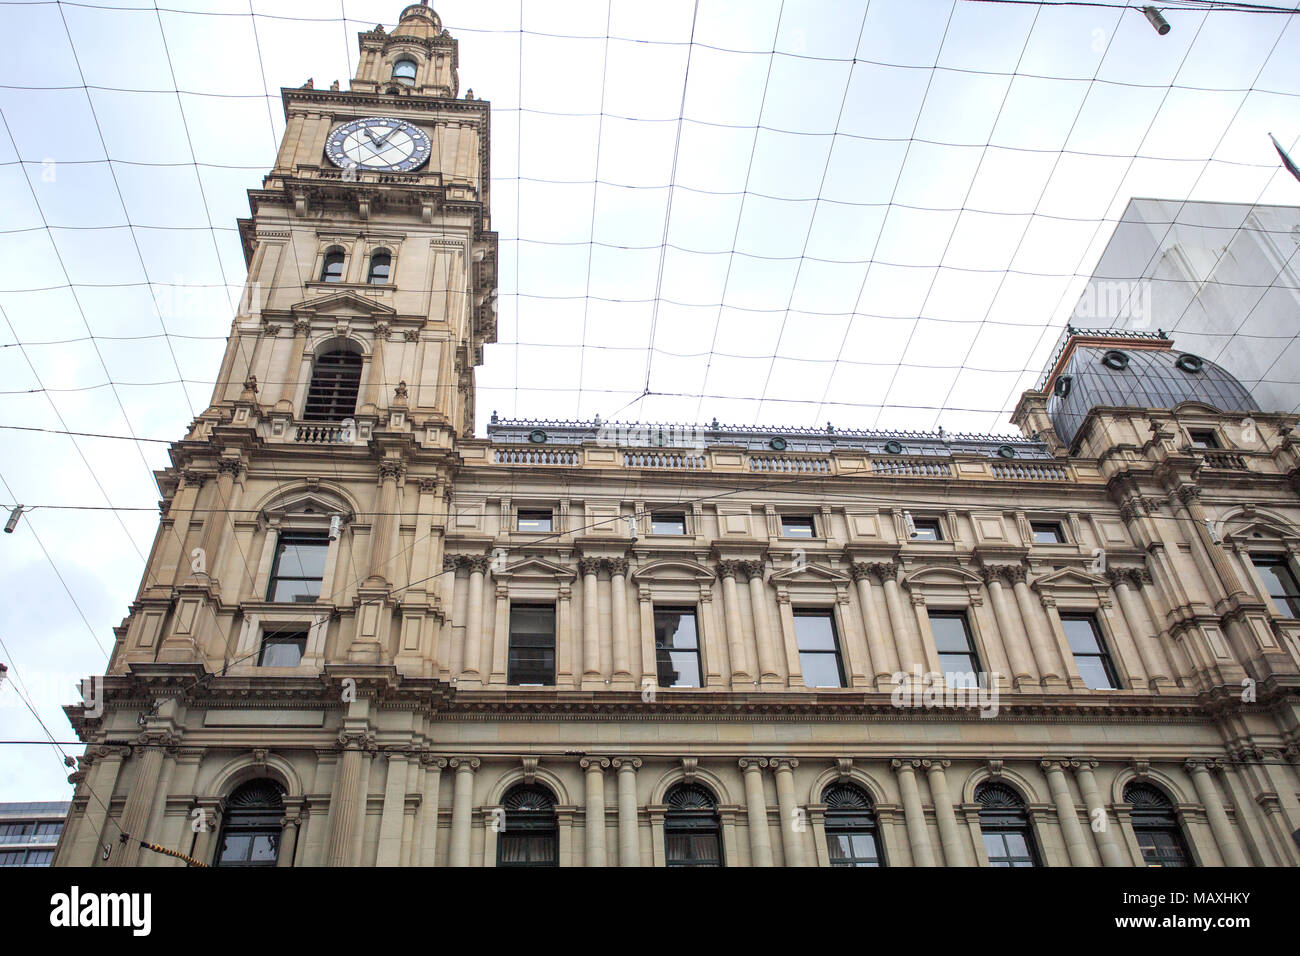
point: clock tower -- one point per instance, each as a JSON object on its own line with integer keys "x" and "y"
{"x": 300, "y": 545}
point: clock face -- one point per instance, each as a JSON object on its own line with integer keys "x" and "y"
{"x": 377, "y": 142}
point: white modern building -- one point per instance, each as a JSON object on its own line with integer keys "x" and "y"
{"x": 1222, "y": 278}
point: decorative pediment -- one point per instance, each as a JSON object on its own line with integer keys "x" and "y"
{"x": 1070, "y": 578}
{"x": 1255, "y": 525}
{"x": 937, "y": 575}
{"x": 673, "y": 569}
{"x": 316, "y": 501}
{"x": 344, "y": 302}
{"x": 810, "y": 574}
{"x": 535, "y": 568}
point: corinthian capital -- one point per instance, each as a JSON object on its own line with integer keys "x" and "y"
{"x": 730, "y": 569}
{"x": 615, "y": 565}
{"x": 884, "y": 570}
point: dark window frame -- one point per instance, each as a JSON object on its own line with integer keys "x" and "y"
{"x": 298, "y": 538}
{"x": 333, "y": 266}
{"x": 1156, "y": 827}
{"x": 850, "y": 812}
{"x": 677, "y": 518}
{"x": 517, "y": 674}
{"x": 281, "y": 636}
{"x": 534, "y": 514}
{"x": 665, "y": 655}
{"x": 530, "y": 824}
{"x": 1102, "y": 654}
{"x": 932, "y": 525}
{"x": 972, "y": 648}
{"x": 1056, "y": 528}
{"x": 838, "y": 652}
{"x": 402, "y": 78}
{"x": 1287, "y": 603}
{"x": 797, "y": 523}
{"x": 1003, "y": 812}
{"x": 1197, "y": 438}
{"x": 692, "y": 812}
{"x": 252, "y": 811}
{"x": 386, "y": 260}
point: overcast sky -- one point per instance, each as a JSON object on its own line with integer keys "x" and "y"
{"x": 877, "y": 214}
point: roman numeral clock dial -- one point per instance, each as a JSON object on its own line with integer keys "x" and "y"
{"x": 378, "y": 143}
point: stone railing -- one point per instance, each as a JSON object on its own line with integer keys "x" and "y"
{"x": 1029, "y": 471}
{"x": 322, "y": 434}
{"x": 912, "y": 467}
{"x": 1222, "y": 459}
{"x": 665, "y": 459}
{"x": 537, "y": 456}
{"x": 790, "y": 464}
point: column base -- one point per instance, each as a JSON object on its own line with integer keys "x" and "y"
{"x": 469, "y": 682}
{"x": 1055, "y": 685}
{"x": 771, "y": 682}
{"x": 1026, "y": 683}
{"x": 623, "y": 682}
{"x": 593, "y": 682}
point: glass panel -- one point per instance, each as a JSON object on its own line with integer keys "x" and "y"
{"x": 839, "y": 846}
{"x": 528, "y": 619}
{"x": 1093, "y": 671}
{"x": 692, "y": 849}
{"x": 962, "y": 666}
{"x": 302, "y": 558}
{"x": 534, "y": 521}
{"x": 668, "y": 524}
{"x": 1046, "y": 533}
{"x": 678, "y": 668}
{"x": 820, "y": 669}
{"x": 295, "y": 591}
{"x": 264, "y": 847}
{"x": 797, "y": 527}
{"x": 950, "y": 634}
{"x": 236, "y": 847}
{"x": 927, "y": 530}
{"x": 283, "y": 652}
{"x": 379, "y": 269}
{"x": 814, "y": 632}
{"x": 675, "y": 630}
{"x": 1081, "y": 632}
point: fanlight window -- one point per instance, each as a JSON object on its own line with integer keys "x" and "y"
{"x": 332, "y": 271}
{"x": 1004, "y": 823}
{"x": 1156, "y": 826}
{"x": 530, "y": 836}
{"x": 381, "y": 264}
{"x": 250, "y": 832}
{"x": 404, "y": 72}
{"x": 851, "y": 835}
{"x": 332, "y": 395}
{"x": 691, "y": 829}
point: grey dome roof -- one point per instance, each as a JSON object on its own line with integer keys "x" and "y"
{"x": 1151, "y": 378}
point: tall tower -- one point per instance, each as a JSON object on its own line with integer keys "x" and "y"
{"x": 302, "y": 514}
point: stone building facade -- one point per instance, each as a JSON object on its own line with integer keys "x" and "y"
{"x": 365, "y": 637}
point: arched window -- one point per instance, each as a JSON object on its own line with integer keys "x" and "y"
{"x": 250, "y": 832}
{"x": 692, "y": 834}
{"x": 332, "y": 395}
{"x": 381, "y": 264}
{"x": 1008, "y": 839}
{"x": 332, "y": 271}
{"x": 404, "y": 71}
{"x": 1156, "y": 826}
{"x": 851, "y": 834}
{"x": 530, "y": 836}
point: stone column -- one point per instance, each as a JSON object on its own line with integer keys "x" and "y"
{"x": 348, "y": 811}
{"x": 727, "y": 571}
{"x": 471, "y": 676}
{"x": 1208, "y": 792}
{"x": 914, "y": 813}
{"x": 289, "y": 824}
{"x": 210, "y": 813}
{"x": 589, "y": 568}
{"x": 1039, "y": 641}
{"x": 760, "y": 840}
{"x": 292, "y": 369}
{"x": 390, "y": 822}
{"x": 955, "y": 850}
{"x": 1009, "y": 633}
{"x": 1076, "y": 844}
{"x": 382, "y": 535}
{"x": 427, "y": 818}
{"x": 791, "y": 825}
{"x": 622, "y": 635}
{"x": 462, "y": 809}
{"x": 214, "y": 526}
{"x": 139, "y": 802}
{"x": 1190, "y": 497}
{"x": 500, "y": 636}
{"x": 1147, "y": 648}
{"x": 884, "y": 659}
{"x": 767, "y": 659}
{"x": 595, "y": 820}
{"x": 909, "y": 657}
{"x": 375, "y": 391}
{"x": 629, "y": 834}
{"x": 1099, "y": 820}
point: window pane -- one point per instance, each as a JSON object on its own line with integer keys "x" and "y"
{"x": 283, "y": 652}
{"x": 800, "y": 526}
{"x": 1081, "y": 632}
{"x": 668, "y": 524}
{"x": 814, "y": 632}
{"x": 820, "y": 670}
{"x": 302, "y": 558}
{"x": 534, "y": 521}
{"x": 679, "y": 669}
{"x": 950, "y": 635}
{"x": 236, "y": 847}
{"x": 675, "y": 630}
{"x": 296, "y": 591}
{"x": 960, "y": 664}
{"x": 1093, "y": 671}
{"x": 927, "y": 529}
{"x": 1047, "y": 533}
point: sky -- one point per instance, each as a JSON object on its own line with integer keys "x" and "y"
{"x": 878, "y": 214}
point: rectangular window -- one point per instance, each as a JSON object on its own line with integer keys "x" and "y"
{"x": 299, "y": 567}
{"x": 1090, "y": 655}
{"x": 283, "y": 647}
{"x": 798, "y": 526}
{"x": 677, "y": 647}
{"x": 957, "y": 655}
{"x": 668, "y": 524}
{"x": 1279, "y": 582}
{"x": 1047, "y": 532}
{"x": 1008, "y": 848}
{"x": 927, "y": 529}
{"x": 534, "y": 520}
{"x": 532, "y": 645}
{"x": 1204, "y": 438}
{"x": 819, "y": 649}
